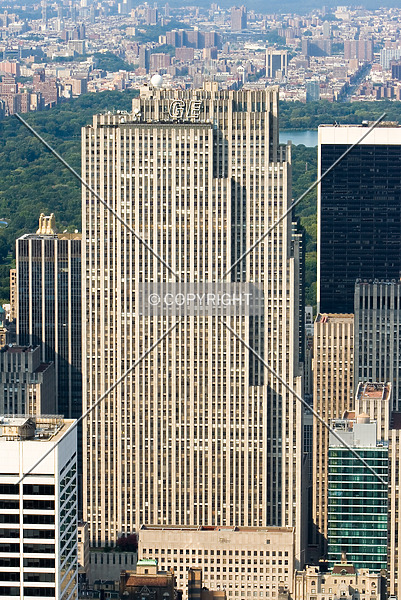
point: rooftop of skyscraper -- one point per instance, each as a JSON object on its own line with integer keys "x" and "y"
{"x": 13, "y": 349}
{"x": 363, "y": 124}
{"x": 333, "y": 317}
{"x": 373, "y": 390}
{"x": 44, "y": 428}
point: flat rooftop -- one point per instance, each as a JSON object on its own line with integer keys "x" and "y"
{"x": 378, "y": 281}
{"x": 11, "y": 349}
{"x": 378, "y": 391}
{"x": 43, "y": 428}
{"x": 334, "y": 318}
{"x": 51, "y": 236}
{"x": 217, "y": 528}
{"x": 383, "y": 124}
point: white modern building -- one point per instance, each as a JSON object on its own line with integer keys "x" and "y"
{"x": 38, "y": 517}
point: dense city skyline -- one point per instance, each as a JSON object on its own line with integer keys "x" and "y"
{"x": 176, "y": 422}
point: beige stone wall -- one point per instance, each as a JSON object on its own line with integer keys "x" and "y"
{"x": 245, "y": 562}
{"x": 332, "y": 395}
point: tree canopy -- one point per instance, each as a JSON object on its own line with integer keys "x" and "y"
{"x": 32, "y": 181}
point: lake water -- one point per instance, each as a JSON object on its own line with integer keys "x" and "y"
{"x": 307, "y": 138}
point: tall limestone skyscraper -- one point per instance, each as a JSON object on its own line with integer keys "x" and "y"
{"x": 199, "y": 433}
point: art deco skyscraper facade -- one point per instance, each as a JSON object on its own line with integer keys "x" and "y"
{"x": 199, "y": 433}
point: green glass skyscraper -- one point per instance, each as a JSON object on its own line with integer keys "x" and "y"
{"x": 357, "y": 500}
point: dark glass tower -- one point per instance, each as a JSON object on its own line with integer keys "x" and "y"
{"x": 359, "y": 212}
{"x": 49, "y": 307}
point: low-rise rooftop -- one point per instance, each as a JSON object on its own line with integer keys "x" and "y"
{"x": 41, "y": 428}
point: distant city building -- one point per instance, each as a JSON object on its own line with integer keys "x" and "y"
{"x": 152, "y": 16}
{"x": 184, "y": 54}
{"x": 77, "y": 33}
{"x": 326, "y": 28}
{"x": 333, "y": 393}
{"x": 77, "y": 46}
{"x": 357, "y": 499}
{"x": 312, "y": 91}
{"x": 27, "y": 385}
{"x": 144, "y": 58}
{"x": 38, "y": 535}
{"x": 377, "y": 355}
{"x": 342, "y": 581}
{"x": 11, "y": 67}
{"x": 359, "y": 217}
{"x": 395, "y": 70}
{"x": 77, "y": 85}
{"x": 209, "y": 53}
{"x": 47, "y": 86}
{"x": 239, "y": 19}
{"x": 263, "y": 556}
{"x": 15, "y": 101}
{"x": 387, "y": 55}
{"x": 360, "y": 49}
{"x": 180, "y": 38}
{"x": 276, "y": 63}
{"x": 316, "y": 47}
{"x": 159, "y": 61}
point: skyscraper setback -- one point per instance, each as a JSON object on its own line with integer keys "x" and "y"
{"x": 199, "y": 433}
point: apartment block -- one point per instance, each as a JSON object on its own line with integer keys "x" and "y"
{"x": 239, "y": 18}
